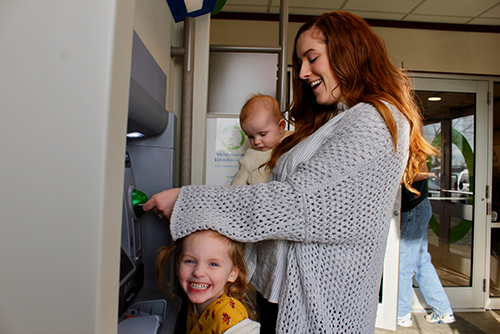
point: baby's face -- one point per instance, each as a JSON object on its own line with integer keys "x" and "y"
{"x": 263, "y": 131}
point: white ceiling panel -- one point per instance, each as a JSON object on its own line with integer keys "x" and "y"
{"x": 455, "y": 8}
{"x": 389, "y": 6}
{"x": 493, "y": 12}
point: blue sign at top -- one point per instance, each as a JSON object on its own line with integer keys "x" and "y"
{"x": 190, "y": 8}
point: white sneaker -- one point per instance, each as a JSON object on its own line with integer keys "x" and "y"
{"x": 440, "y": 319}
{"x": 405, "y": 321}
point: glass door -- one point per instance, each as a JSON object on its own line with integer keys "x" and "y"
{"x": 456, "y": 123}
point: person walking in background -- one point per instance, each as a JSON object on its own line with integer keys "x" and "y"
{"x": 415, "y": 259}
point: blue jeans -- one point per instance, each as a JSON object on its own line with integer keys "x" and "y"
{"x": 415, "y": 259}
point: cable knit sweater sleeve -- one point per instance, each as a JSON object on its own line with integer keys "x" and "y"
{"x": 353, "y": 175}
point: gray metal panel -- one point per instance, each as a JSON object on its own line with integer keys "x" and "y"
{"x": 153, "y": 160}
{"x": 145, "y": 114}
{"x": 147, "y": 72}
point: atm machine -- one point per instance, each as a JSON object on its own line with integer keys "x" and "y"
{"x": 149, "y": 169}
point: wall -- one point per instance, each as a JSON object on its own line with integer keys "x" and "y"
{"x": 155, "y": 26}
{"x": 421, "y": 50}
{"x": 444, "y": 51}
{"x": 65, "y": 70}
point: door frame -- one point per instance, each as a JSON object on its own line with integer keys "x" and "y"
{"x": 475, "y": 297}
{"x": 387, "y": 309}
{"x": 491, "y": 303}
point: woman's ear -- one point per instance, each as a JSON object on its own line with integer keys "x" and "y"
{"x": 233, "y": 275}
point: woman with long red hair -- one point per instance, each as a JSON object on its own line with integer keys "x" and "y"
{"x": 318, "y": 228}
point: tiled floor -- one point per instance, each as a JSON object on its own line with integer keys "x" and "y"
{"x": 487, "y": 322}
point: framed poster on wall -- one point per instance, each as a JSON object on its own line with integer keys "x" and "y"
{"x": 226, "y": 144}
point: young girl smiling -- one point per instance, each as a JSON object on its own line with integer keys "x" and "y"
{"x": 212, "y": 273}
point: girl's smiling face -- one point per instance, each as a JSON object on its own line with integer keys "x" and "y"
{"x": 315, "y": 68}
{"x": 205, "y": 267}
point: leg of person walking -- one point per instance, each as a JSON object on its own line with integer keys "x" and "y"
{"x": 409, "y": 248}
{"x": 426, "y": 274}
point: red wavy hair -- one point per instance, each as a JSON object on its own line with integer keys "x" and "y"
{"x": 359, "y": 58}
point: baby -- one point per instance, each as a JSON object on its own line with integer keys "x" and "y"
{"x": 264, "y": 125}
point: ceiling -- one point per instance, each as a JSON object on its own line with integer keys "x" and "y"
{"x": 468, "y": 12}
{"x": 472, "y": 13}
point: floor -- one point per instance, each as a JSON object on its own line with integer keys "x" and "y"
{"x": 487, "y": 322}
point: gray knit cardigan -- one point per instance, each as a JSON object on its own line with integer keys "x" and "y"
{"x": 333, "y": 211}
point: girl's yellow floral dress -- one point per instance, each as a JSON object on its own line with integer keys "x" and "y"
{"x": 220, "y": 315}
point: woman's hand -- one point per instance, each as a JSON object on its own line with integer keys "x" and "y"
{"x": 162, "y": 203}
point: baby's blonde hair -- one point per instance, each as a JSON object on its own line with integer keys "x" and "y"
{"x": 266, "y": 102}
